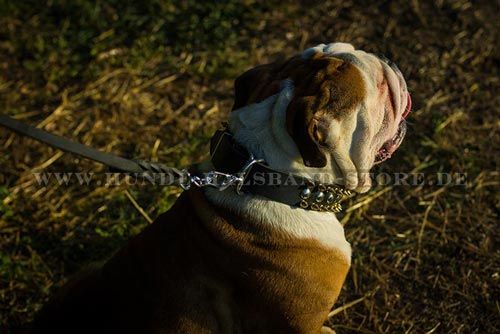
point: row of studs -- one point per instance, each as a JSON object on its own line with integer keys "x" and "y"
{"x": 330, "y": 195}
{"x": 321, "y": 207}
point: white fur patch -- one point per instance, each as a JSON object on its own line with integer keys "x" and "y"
{"x": 323, "y": 227}
{"x": 261, "y": 128}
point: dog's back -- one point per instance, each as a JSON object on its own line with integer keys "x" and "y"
{"x": 181, "y": 275}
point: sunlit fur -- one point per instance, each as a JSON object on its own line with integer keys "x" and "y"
{"x": 352, "y": 144}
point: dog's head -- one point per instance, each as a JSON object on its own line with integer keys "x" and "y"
{"x": 331, "y": 111}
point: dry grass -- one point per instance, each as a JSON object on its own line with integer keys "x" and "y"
{"x": 426, "y": 258}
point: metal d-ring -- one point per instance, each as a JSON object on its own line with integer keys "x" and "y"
{"x": 244, "y": 171}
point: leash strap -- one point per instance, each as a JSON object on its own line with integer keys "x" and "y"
{"x": 113, "y": 161}
{"x": 137, "y": 167}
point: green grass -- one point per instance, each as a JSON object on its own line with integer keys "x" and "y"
{"x": 154, "y": 80}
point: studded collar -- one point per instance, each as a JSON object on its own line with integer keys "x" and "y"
{"x": 259, "y": 179}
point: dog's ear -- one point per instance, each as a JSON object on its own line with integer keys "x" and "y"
{"x": 255, "y": 85}
{"x": 260, "y": 82}
{"x": 305, "y": 129}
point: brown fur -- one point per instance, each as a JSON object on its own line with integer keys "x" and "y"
{"x": 200, "y": 269}
{"x": 325, "y": 88}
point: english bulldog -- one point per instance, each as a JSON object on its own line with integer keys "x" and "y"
{"x": 255, "y": 257}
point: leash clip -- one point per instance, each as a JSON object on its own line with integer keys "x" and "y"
{"x": 220, "y": 181}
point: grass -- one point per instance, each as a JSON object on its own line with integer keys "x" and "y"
{"x": 154, "y": 80}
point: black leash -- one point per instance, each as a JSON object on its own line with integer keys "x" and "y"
{"x": 114, "y": 162}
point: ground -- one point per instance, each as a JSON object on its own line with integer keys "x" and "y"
{"x": 154, "y": 80}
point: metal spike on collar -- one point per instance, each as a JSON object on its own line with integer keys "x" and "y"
{"x": 320, "y": 197}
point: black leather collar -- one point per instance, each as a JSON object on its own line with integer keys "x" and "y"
{"x": 230, "y": 157}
